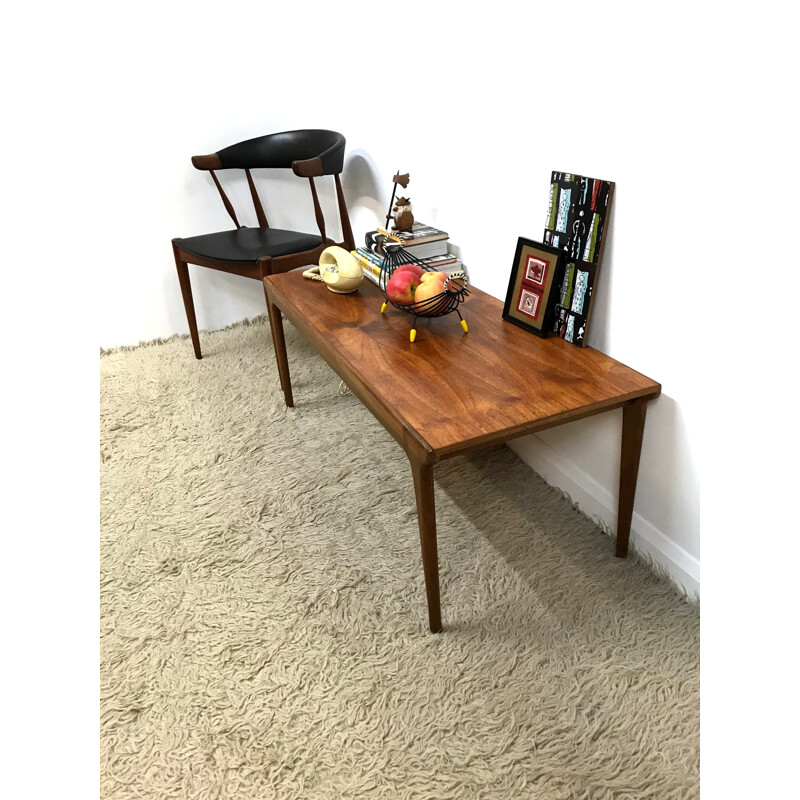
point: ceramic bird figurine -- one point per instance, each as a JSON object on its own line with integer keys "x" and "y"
{"x": 403, "y": 218}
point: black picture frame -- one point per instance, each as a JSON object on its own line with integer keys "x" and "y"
{"x": 534, "y": 286}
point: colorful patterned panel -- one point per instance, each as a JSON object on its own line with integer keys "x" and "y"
{"x": 576, "y": 219}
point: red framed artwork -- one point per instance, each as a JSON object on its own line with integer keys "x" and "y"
{"x": 533, "y": 286}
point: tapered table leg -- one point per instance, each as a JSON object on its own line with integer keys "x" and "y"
{"x": 426, "y": 511}
{"x": 633, "y": 416}
{"x": 278, "y": 341}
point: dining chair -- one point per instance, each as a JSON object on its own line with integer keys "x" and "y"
{"x": 257, "y": 252}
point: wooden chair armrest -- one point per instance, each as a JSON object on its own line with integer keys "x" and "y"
{"x": 328, "y": 162}
{"x": 207, "y": 162}
{"x": 309, "y": 168}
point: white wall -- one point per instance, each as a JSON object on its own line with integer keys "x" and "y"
{"x": 496, "y": 99}
{"x": 105, "y": 103}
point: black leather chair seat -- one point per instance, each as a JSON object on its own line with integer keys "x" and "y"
{"x": 249, "y": 244}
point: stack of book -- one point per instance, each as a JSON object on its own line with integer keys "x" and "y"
{"x": 428, "y": 244}
{"x": 422, "y": 241}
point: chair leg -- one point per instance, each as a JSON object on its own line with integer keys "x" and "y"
{"x": 188, "y": 301}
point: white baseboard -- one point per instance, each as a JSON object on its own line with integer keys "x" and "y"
{"x": 601, "y": 505}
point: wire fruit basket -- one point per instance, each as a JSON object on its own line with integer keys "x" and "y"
{"x": 439, "y": 305}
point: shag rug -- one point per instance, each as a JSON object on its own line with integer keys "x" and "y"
{"x": 263, "y": 618}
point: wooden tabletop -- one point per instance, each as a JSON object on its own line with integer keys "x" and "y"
{"x": 452, "y": 391}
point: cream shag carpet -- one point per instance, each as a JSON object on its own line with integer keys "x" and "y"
{"x": 263, "y": 619}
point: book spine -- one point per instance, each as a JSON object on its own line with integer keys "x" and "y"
{"x": 426, "y": 233}
{"x": 371, "y": 270}
{"x": 366, "y": 261}
{"x": 447, "y": 262}
{"x": 373, "y": 257}
{"x": 373, "y": 278}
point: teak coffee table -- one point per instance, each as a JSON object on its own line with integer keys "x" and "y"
{"x": 451, "y": 392}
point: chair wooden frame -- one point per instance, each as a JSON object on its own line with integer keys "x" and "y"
{"x": 272, "y": 151}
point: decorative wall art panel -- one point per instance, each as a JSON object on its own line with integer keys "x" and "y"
{"x": 576, "y": 223}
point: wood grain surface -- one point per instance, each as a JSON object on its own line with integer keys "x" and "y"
{"x": 452, "y": 391}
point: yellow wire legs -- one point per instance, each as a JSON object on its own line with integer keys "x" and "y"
{"x": 413, "y": 334}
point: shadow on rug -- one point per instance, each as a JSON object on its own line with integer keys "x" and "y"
{"x": 263, "y": 618}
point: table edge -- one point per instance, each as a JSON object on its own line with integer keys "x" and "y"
{"x": 526, "y": 429}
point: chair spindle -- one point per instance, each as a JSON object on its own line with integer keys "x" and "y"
{"x": 347, "y": 231}
{"x": 262, "y": 217}
{"x": 318, "y": 210}
{"x": 225, "y": 201}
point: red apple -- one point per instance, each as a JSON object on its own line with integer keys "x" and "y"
{"x": 415, "y": 268}
{"x": 401, "y": 287}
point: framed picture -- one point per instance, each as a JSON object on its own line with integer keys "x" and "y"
{"x": 534, "y": 286}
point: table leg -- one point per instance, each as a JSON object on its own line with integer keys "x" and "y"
{"x": 426, "y": 511}
{"x": 278, "y": 341}
{"x": 633, "y": 416}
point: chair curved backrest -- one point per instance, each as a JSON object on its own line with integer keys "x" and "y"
{"x": 308, "y": 153}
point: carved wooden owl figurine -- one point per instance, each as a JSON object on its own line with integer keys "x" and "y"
{"x": 403, "y": 218}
